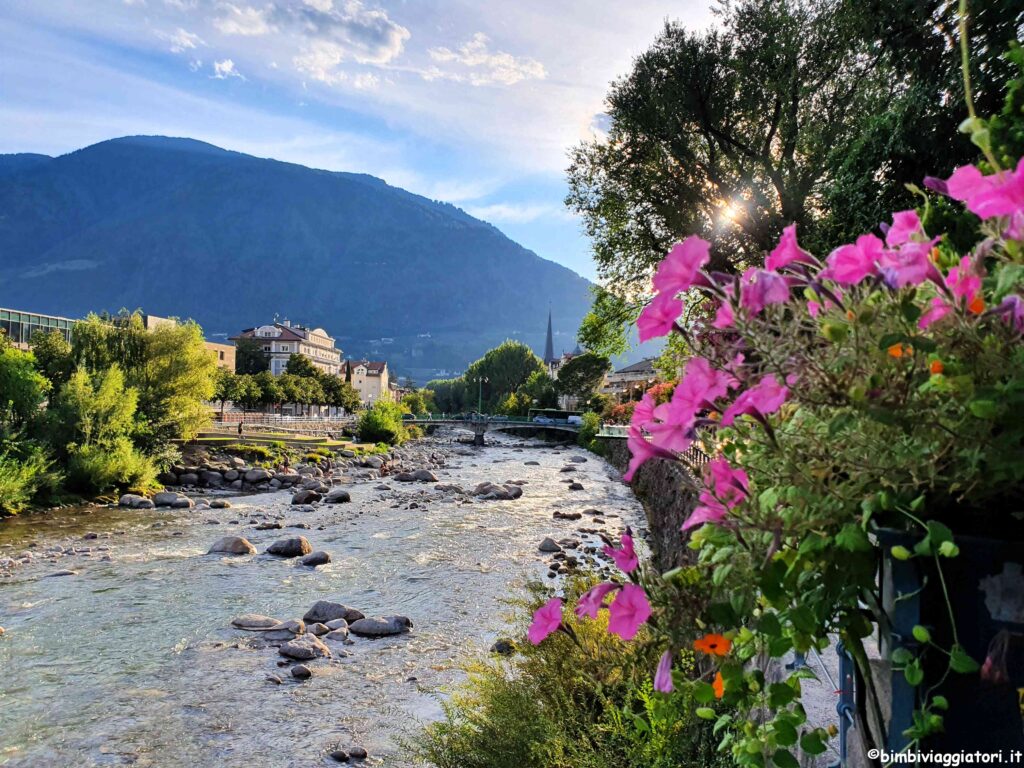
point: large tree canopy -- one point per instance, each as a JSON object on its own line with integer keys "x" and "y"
{"x": 814, "y": 112}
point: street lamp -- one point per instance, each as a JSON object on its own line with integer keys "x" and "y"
{"x": 481, "y": 380}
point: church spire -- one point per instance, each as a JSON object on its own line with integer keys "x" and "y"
{"x": 549, "y": 345}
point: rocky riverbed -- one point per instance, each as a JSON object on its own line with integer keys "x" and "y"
{"x": 126, "y": 641}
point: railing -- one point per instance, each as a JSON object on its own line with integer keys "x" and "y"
{"x": 234, "y": 417}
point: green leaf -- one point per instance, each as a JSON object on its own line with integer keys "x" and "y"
{"x": 811, "y": 743}
{"x": 940, "y": 702}
{"x": 960, "y": 661}
{"x": 983, "y": 409}
{"x": 721, "y": 722}
{"x": 780, "y": 694}
{"x": 703, "y": 693}
{"x": 914, "y": 673}
{"x": 721, "y": 573}
{"x": 949, "y": 549}
{"x": 803, "y": 619}
{"x": 705, "y": 713}
{"x": 921, "y": 634}
{"x": 852, "y": 538}
{"x": 891, "y": 338}
{"x": 901, "y": 656}
{"x": 769, "y": 625}
{"x": 783, "y": 758}
{"x": 785, "y": 733}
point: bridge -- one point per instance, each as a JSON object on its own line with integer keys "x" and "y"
{"x": 480, "y": 425}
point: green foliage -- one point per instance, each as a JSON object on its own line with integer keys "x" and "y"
{"x": 588, "y": 431}
{"x": 583, "y": 375}
{"x": 253, "y": 451}
{"x": 565, "y": 704}
{"x": 22, "y": 389}
{"x": 54, "y": 358}
{"x": 414, "y": 403}
{"x": 24, "y": 477}
{"x": 539, "y": 391}
{"x": 506, "y": 368}
{"x": 382, "y": 423}
{"x": 250, "y": 358}
{"x": 450, "y": 395}
{"x": 300, "y": 365}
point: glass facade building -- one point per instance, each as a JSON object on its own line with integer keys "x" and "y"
{"x": 20, "y": 326}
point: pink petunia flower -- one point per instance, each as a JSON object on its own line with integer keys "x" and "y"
{"x": 1012, "y": 308}
{"x": 659, "y": 316}
{"x": 592, "y": 600}
{"x": 938, "y": 311}
{"x": 640, "y": 449}
{"x": 731, "y": 485}
{"x": 546, "y": 620}
{"x": 680, "y": 269}
{"x": 761, "y": 288}
{"x": 813, "y": 308}
{"x": 625, "y": 557}
{"x": 910, "y": 264}
{"x": 698, "y": 389}
{"x": 724, "y": 317}
{"x": 787, "y": 251}
{"x": 850, "y": 264}
{"x": 962, "y": 280}
{"x": 628, "y": 611}
{"x": 710, "y": 510}
{"x": 905, "y": 224}
{"x": 767, "y": 396}
{"x": 643, "y": 412}
{"x": 1001, "y": 194}
{"x": 663, "y": 675}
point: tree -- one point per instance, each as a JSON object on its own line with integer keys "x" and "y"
{"x": 582, "y": 375}
{"x": 414, "y": 403}
{"x": 250, "y": 357}
{"x": 268, "y": 390}
{"x": 450, "y": 395}
{"x": 506, "y": 368}
{"x": 539, "y": 391}
{"x": 382, "y": 423}
{"x": 22, "y": 389}
{"x": 814, "y": 112}
{"x": 228, "y": 387}
{"x": 339, "y": 393}
{"x": 300, "y": 365}
{"x": 53, "y": 356}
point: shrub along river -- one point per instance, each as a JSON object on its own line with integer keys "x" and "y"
{"x": 132, "y": 658}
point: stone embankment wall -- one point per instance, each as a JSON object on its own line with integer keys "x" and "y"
{"x": 667, "y": 492}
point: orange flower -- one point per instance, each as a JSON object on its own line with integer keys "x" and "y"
{"x": 714, "y": 415}
{"x": 900, "y": 350}
{"x": 977, "y": 305}
{"x": 713, "y": 645}
{"x": 719, "y": 686}
{"x": 935, "y": 255}
{"x": 849, "y": 314}
{"x": 936, "y": 367}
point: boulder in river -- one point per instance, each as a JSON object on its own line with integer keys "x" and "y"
{"x": 575, "y": 486}
{"x": 306, "y": 496}
{"x": 188, "y": 478}
{"x": 257, "y": 476}
{"x": 233, "y": 545}
{"x": 254, "y": 622}
{"x": 326, "y": 611}
{"x": 313, "y": 559}
{"x": 338, "y": 496}
{"x": 337, "y": 624}
{"x": 337, "y": 635}
{"x": 549, "y": 545}
{"x": 295, "y": 546}
{"x": 301, "y": 672}
{"x": 220, "y": 504}
{"x": 305, "y": 647}
{"x": 167, "y": 498}
{"x": 380, "y": 626}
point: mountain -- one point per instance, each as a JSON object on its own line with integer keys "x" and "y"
{"x": 181, "y": 228}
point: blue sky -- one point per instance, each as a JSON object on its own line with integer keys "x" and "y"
{"x": 472, "y": 102}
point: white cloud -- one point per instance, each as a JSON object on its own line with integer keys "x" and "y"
{"x": 320, "y": 5}
{"x": 243, "y": 20}
{"x": 181, "y": 40}
{"x": 195, "y": 65}
{"x": 513, "y": 212}
{"x": 484, "y": 67}
{"x": 224, "y": 69}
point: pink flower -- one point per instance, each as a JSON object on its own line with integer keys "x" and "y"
{"x": 640, "y": 449}
{"x": 764, "y": 398}
{"x": 962, "y": 280}
{"x": 659, "y": 316}
{"x": 1001, "y": 194}
{"x": 724, "y": 318}
{"x": 592, "y": 600}
{"x": 698, "y": 389}
{"x": 787, "y": 251}
{"x": 663, "y": 675}
{"x": 546, "y": 620}
{"x": 761, "y": 288}
{"x": 681, "y": 267}
{"x": 849, "y": 264}
{"x": 711, "y": 510}
{"x": 643, "y": 412}
{"x": 628, "y": 611}
{"x": 910, "y": 264}
{"x": 905, "y": 224}
{"x": 730, "y": 485}
{"x": 670, "y": 435}
{"x": 625, "y": 558}
{"x": 938, "y": 311}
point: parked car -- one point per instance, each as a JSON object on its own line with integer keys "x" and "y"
{"x": 542, "y": 420}
{"x": 498, "y": 418}
{"x": 577, "y": 420}
{"x": 408, "y": 416}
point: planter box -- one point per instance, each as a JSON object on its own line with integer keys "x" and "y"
{"x": 985, "y": 583}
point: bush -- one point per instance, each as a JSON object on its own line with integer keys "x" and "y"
{"x": 382, "y": 423}
{"x": 100, "y": 468}
{"x": 589, "y": 428}
{"x": 566, "y": 704}
{"x": 252, "y": 451}
{"x": 22, "y": 479}
{"x": 414, "y": 432}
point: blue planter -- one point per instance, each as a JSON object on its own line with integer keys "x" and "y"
{"x": 985, "y": 583}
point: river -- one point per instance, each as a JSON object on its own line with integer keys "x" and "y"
{"x": 133, "y": 661}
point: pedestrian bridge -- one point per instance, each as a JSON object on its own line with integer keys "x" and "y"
{"x": 481, "y": 425}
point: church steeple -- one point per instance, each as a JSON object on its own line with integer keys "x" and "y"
{"x": 549, "y": 345}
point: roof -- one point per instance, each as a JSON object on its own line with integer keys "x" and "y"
{"x": 372, "y": 366}
{"x": 644, "y": 366}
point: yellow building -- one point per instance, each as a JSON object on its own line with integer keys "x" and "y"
{"x": 223, "y": 354}
{"x": 370, "y": 379}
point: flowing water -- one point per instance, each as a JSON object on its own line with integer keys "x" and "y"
{"x": 132, "y": 661}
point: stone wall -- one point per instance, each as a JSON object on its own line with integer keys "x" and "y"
{"x": 666, "y": 490}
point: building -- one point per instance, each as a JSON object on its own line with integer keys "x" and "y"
{"x": 282, "y": 340}
{"x": 223, "y": 354}
{"x": 19, "y": 326}
{"x": 630, "y": 382}
{"x": 551, "y": 362}
{"x": 370, "y": 379}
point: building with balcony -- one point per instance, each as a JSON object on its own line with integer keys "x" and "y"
{"x": 630, "y": 382}
{"x": 370, "y": 379}
{"x": 280, "y": 341}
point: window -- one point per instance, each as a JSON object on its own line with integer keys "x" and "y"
{"x": 221, "y": 354}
